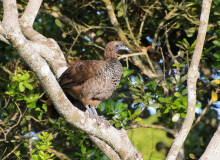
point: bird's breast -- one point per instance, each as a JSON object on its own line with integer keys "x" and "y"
{"x": 113, "y": 72}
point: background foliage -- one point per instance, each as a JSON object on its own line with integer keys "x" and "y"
{"x": 151, "y": 108}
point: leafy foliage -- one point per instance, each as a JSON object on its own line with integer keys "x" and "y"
{"x": 81, "y": 29}
{"x": 42, "y": 147}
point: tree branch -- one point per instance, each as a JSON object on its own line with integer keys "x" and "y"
{"x": 108, "y": 150}
{"x": 139, "y": 125}
{"x": 47, "y": 48}
{"x": 212, "y": 150}
{"x": 2, "y": 38}
{"x": 28, "y": 19}
{"x": 191, "y": 82}
{"x": 135, "y": 60}
{"x": 34, "y": 53}
{"x": 115, "y": 23}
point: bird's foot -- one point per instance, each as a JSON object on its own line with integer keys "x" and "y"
{"x": 93, "y": 114}
{"x": 99, "y": 119}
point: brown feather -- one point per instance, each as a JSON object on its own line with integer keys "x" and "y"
{"x": 93, "y": 81}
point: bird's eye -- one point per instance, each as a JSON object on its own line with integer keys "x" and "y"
{"x": 116, "y": 45}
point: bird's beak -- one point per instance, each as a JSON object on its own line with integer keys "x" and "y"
{"x": 124, "y": 49}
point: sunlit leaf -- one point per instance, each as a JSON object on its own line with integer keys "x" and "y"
{"x": 21, "y": 87}
{"x": 216, "y": 81}
{"x": 58, "y": 23}
{"x": 214, "y": 96}
{"x": 216, "y": 42}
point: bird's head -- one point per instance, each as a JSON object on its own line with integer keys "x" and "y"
{"x": 115, "y": 47}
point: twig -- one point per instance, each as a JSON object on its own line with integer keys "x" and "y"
{"x": 12, "y": 151}
{"x": 191, "y": 82}
{"x": 19, "y": 119}
{"x": 2, "y": 154}
{"x": 58, "y": 154}
{"x": 130, "y": 55}
{"x": 141, "y": 27}
{"x": 164, "y": 64}
{"x": 203, "y": 113}
{"x": 115, "y": 22}
{"x": 170, "y": 15}
{"x": 138, "y": 125}
{"x": 10, "y": 128}
{"x": 74, "y": 42}
{"x": 170, "y": 52}
{"x": 29, "y": 140}
{"x": 131, "y": 32}
{"x": 39, "y": 121}
{"x": 6, "y": 70}
{"x": 145, "y": 51}
{"x": 5, "y": 134}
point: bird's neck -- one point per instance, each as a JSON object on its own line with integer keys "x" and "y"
{"x": 110, "y": 55}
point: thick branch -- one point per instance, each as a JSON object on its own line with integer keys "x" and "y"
{"x": 115, "y": 23}
{"x": 30, "y": 12}
{"x": 10, "y": 23}
{"x": 2, "y": 38}
{"x": 212, "y": 151}
{"x": 135, "y": 60}
{"x": 47, "y": 48}
{"x": 32, "y": 52}
{"x": 109, "y": 151}
{"x": 191, "y": 82}
{"x": 28, "y": 18}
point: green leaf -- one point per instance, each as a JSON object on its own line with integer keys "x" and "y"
{"x": 21, "y": 87}
{"x": 138, "y": 119}
{"x": 99, "y": 32}
{"x": 24, "y": 77}
{"x": 36, "y": 157}
{"x": 166, "y": 110}
{"x": 216, "y": 43}
{"x": 64, "y": 35}
{"x": 190, "y": 31}
{"x": 117, "y": 125}
{"x": 54, "y": 8}
{"x": 184, "y": 92}
{"x": 31, "y": 98}
{"x": 83, "y": 149}
{"x": 31, "y": 105}
{"x": 218, "y": 33}
{"x": 28, "y": 86}
{"x": 127, "y": 72}
{"x": 217, "y": 55}
{"x": 37, "y": 109}
{"x": 120, "y": 12}
{"x": 44, "y": 106}
{"x": 177, "y": 94}
{"x": 165, "y": 100}
{"x": 59, "y": 23}
{"x": 40, "y": 116}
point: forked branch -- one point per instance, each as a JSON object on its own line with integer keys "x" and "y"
{"x": 193, "y": 75}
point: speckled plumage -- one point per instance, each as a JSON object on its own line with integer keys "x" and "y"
{"x": 93, "y": 81}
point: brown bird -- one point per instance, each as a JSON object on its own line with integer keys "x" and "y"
{"x": 93, "y": 81}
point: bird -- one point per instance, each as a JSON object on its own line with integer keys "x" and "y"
{"x": 93, "y": 81}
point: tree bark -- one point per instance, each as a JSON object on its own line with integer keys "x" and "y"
{"x": 212, "y": 151}
{"x": 193, "y": 75}
{"x": 37, "y": 51}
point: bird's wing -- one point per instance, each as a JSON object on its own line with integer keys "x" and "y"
{"x": 80, "y": 72}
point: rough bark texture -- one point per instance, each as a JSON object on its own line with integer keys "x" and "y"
{"x": 38, "y": 51}
{"x": 212, "y": 151}
{"x": 193, "y": 75}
